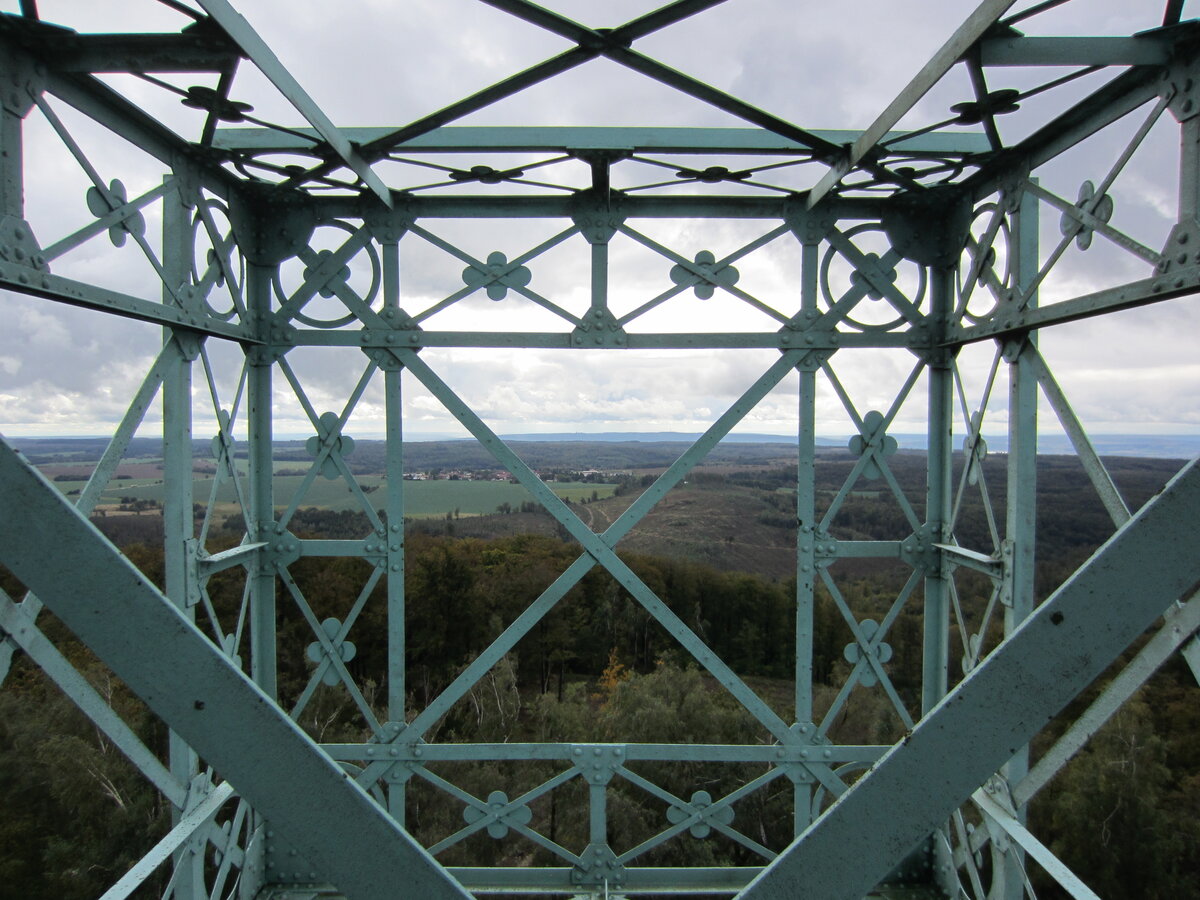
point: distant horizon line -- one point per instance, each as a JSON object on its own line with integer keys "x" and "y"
{"x": 658, "y": 436}
{"x": 1127, "y": 444}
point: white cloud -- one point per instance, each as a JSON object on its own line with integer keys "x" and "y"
{"x": 387, "y": 64}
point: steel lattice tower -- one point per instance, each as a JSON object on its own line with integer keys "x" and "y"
{"x": 935, "y": 234}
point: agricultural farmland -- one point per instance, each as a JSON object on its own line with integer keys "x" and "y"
{"x": 422, "y": 499}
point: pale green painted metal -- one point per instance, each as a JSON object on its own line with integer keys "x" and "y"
{"x": 815, "y": 333}
{"x": 153, "y": 647}
{"x": 979, "y": 725}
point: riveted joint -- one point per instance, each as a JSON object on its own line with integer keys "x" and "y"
{"x": 598, "y": 867}
{"x": 191, "y": 557}
{"x": 278, "y": 336}
{"x": 1181, "y": 88}
{"x": 281, "y": 550}
{"x": 1182, "y": 248}
{"x": 1014, "y": 347}
{"x": 918, "y": 550}
{"x": 375, "y": 551}
{"x": 597, "y": 763}
{"x": 597, "y": 214}
{"x": 823, "y": 546}
{"x": 189, "y": 343}
{"x": 810, "y": 226}
{"x": 388, "y": 226}
{"x": 21, "y": 80}
{"x": 814, "y": 359}
{"x": 599, "y": 328}
{"x": 19, "y": 247}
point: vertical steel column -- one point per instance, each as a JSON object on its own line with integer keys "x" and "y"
{"x": 1189, "y": 170}
{"x": 260, "y": 518}
{"x": 397, "y": 639}
{"x": 260, "y": 522}
{"x": 1021, "y": 505}
{"x": 179, "y": 545}
{"x": 939, "y": 499}
{"x": 12, "y": 182}
{"x": 939, "y": 494}
{"x": 806, "y": 522}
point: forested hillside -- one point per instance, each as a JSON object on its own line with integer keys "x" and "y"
{"x": 599, "y": 668}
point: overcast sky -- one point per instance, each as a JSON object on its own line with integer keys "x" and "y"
{"x": 821, "y": 65}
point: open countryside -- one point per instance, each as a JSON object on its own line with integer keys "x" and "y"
{"x": 138, "y": 487}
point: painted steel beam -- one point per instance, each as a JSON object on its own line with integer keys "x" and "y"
{"x": 1115, "y": 100}
{"x": 814, "y": 339}
{"x": 187, "y": 681}
{"x": 17, "y": 626}
{"x": 257, "y": 51}
{"x": 1140, "y": 50}
{"x": 70, "y": 51}
{"x": 571, "y": 139}
{"x": 983, "y": 18}
{"x": 1182, "y": 623}
{"x": 614, "y": 45}
{"x": 36, "y": 283}
{"x": 633, "y": 206}
{"x": 97, "y": 101}
{"x": 105, "y": 469}
{"x": 1103, "y": 482}
{"x": 999, "y": 707}
{"x": 638, "y": 28}
{"x": 1013, "y": 827}
{"x": 1180, "y": 282}
{"x": 189, "y": 824}
{"x": 773, "y": 754}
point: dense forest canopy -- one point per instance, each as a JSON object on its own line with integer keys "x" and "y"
{"x": 598, "y": 668}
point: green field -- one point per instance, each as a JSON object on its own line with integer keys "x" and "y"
{"x": 421, "y": 498}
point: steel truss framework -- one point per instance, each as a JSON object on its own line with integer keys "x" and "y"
{"x": 924, "y": 242}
